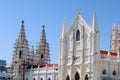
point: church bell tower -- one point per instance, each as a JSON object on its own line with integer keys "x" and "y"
{"x": 43, "y": 49}
{"x": 20, "y": 53}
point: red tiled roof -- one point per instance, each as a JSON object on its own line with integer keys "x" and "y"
{"x": 106, "y": 52}
{"x": 45, "y": 65}
{"x": 113, "y": 53}
{"x": 103, "y": 52}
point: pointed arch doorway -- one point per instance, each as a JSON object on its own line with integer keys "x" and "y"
{"x": 77, "y": 77}
{"x": 67, "y": 78}
{"x": 86, "y": 77}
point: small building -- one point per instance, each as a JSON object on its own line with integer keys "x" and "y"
{"x": 9, "y": 68}
{"x": 2, "y": 66}
{"x": 42, "y": 72}
{"x": 3, "y": 74}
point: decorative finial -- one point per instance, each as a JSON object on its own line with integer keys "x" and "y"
{"x": 22, "y": 21}
{"x": 43, "y": 27}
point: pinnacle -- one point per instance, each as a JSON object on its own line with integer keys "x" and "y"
{"x": 22, "y": 21}
{"x": 43, "y": 27}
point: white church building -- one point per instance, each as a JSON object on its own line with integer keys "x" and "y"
{"x": 29, "y": 64}
{"x": 80, "y": 55}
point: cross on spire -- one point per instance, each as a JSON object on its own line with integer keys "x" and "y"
{"x": 78, "y": 10}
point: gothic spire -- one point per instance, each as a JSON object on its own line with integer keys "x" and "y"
{"x": 95, "y": 36}
{"x": 22, "y": 32}
{"x": 21, "y": 40}
{"x": 63, "y": 29}
{"x": 21, "y": 51}
{"x": 43, "y": 36}
{"x": 95, "y": 24}
{"x": 43, "y": 49}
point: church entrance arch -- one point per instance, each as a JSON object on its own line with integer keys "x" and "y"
{"x": 67, "y": 78}
{"x": 86, "y": 77}
{"x": 77, "y": 77}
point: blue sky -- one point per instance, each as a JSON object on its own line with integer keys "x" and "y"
{"x": 52, "y": 13}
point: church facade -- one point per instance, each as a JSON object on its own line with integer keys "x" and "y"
{"x": 29, "y": 64}
{"x": 80, "y": 54}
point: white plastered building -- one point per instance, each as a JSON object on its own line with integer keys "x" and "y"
{"x": 42, "y": 72}
{"x": 28, "y": 64}
{"x": 80, "y": 54}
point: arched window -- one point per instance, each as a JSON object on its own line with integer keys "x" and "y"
{"x": 3, "y": 78}
{"x": 41, "y": 56}
{"x": 49, "y": 78}
{"x": 34, "y": 79}
{"x": 77, "y": 35}
{"x": 86, "y": 77}
{"x": 114, "y": 73}
{"x": 26, "y": 78}
{"x": 104, "y": 72}
{"x": 41, "y": 79}
{"x": 67, "y": 78}
{"x": 77, "y": 77}
{"x": 8, "y": 78}
{"x": 20, "y": 54}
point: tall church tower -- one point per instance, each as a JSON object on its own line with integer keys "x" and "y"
{"x": 115, "y": 39}
{"x": 95, "y": 52}
{"x": 43, "y": 50}
{"x": 79, "y": 48}
{"x": 95, "y": 35}
{"x": 62, "y": 52}
{"x": 21, "y": 51}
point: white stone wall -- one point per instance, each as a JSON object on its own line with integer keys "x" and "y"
{"x": 75, "y": 55}
{"x": 44, "y": 73}
{"x": 83, "y": 56}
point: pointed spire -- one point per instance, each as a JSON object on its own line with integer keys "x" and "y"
{"x": 43, "y": 36}
{"x": 22, "y": 21}
{"x": 94, "y": 23}
{"x": 64, "y": 29}
{"x": 22, "y": 25}
{"x": 21, "y": 51}
{"x": 22, "y": 32}
{"x": 22, "y": 37}
{"x": 95, "y": 36}
{"x": 43, "y": 49}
